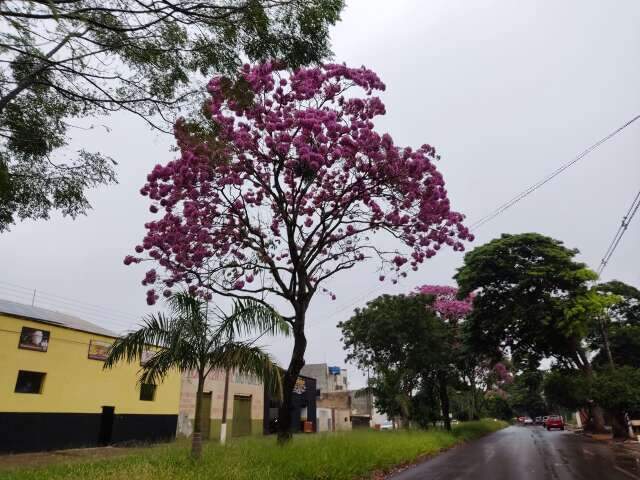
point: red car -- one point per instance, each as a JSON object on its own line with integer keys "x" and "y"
{"x": 555, "y": 421}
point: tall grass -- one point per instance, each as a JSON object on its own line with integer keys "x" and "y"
{"x": 340, "y": 456}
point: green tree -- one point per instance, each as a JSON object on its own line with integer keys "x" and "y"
{"x": 195, "y": 337}
{"x": 627, "y": 310}
{"x": 64, "y": 60}
{"x": 525, "y": 394}
{"x": 498, "y": 406}
{"x": 618, "y": 335}
{"x": 532, "y": 299}
{"x": 618, "y": 391}
{"x": 405, "y": 345}
{"x": 567, "y": 389}
{"x": 624, "y": 343}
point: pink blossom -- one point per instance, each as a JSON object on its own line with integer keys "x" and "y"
{"x": 446, "y": 302}
{"x": 298, "y": 183}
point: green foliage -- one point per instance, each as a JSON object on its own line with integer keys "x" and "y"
{"x": 620, "y": 320}
{"x": 402, "y": 341}
{"x": 193, "y": 338}
{"x": 624, "y": 341}
{"x": 527, "y": 286}
{"x": 342, "y": 456}
{"x": 618, "y": 390}
{"x": 65, "y": 60}
{"x": 627, "y": 310}
{"x": 525, "y": 394}
{"x": 567, "y": 388}
{"x": 499, "y": 407}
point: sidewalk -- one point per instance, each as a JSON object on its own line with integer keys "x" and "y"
{"x": 40, "y": 459}
{"x": 631, "y": 446}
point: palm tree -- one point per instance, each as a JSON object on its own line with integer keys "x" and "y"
{"x": 193, "y": 336}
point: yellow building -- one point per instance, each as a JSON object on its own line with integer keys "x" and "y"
{"x": 55, "y": 394}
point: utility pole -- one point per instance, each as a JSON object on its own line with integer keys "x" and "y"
{"x": 33, "y": 300}
{"x": 225, "y": 402}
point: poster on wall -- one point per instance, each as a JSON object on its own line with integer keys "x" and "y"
{"x": 33, "y": 339}
{"x": 146, "y": 356}
{"x": 99, "y": 350}
{"x": 300, "y": 387}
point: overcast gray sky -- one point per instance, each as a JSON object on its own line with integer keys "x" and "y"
{"x": 507, "y": 91}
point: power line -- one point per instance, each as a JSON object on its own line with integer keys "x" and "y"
{"x": 42, "y": 292}
{"x": 508, "y": 204}
{"x": 626, "y": 220}
{"x": 105, "y": 315}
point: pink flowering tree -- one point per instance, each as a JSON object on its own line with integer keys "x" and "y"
{"x": 288, "y": 185}
{"x": 446, "y": 302}
{"x": 451, "y": 311}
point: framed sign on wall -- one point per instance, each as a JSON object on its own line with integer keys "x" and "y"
{"x": 99, "y": 350}
{"x": 34, "y": 339}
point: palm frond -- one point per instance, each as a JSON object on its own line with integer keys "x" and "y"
{"x": 163, "y": 361}
{"x": 156, "y": 331}
{"x": 248, "y": 359}
{"x": 249, "y": 316}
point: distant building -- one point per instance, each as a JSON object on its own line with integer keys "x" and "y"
{"x": 334, "y": 411}
{"x": 332, "y": 396}
{"x": 328, "y": 379}
{"x": 303, "y": 407}
{"x": 245, "y": 406}
{"x": 362, "y": 409}
{"x": 55, "y": 394}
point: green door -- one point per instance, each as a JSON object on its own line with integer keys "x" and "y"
{"x": 241, "y": 416}
{"x": 205, "y": 412}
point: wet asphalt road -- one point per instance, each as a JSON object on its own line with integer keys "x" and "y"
{"x": 529, "y": 453}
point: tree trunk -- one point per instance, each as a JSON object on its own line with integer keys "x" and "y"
{"x": 290, "y": 378}
{"x": 196, "y": 439}
{"x": 619, "y": 425}
{"x": 596, "y": 415}
{"x": 605, "y": 341}
{"x": 225, "y": 403}
{"x": 596, "y": 422}
{"x": 444, "y": 399}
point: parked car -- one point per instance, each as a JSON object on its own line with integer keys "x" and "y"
{"x": 544, "y": 421}
{"x": 555, "y": 421}
{"x": 538, "y": 421}
{"x": 528, "y": 421}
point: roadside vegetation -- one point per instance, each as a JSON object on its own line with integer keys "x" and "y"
{"x": 341, "y": 456}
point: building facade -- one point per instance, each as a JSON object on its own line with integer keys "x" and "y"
{"x": 328, "y": 379}
{"x": 245, "y": 408}
{"x": 332, "y": 396}
{"x": 55, "y": 394}
{"x": 334, "y": 411}
{"x": 303, "y": 407}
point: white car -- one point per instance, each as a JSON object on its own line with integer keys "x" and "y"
{"x": 528, "y": 421}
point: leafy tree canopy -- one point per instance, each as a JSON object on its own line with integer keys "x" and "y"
{"x": 567, "y": 388}
{"x": 525, "y": 393}
{"x": 618, "y": 389}
{"x": 624, "y": 341}
{"x": 402, "y": 341}
{"x": 64, "y": 60}
{"x": 627, "y": 310}
{"x": 395, "y": 332}
{"x": 529, "y": 292}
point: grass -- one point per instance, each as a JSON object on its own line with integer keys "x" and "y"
{"x": 340, "y": 456}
